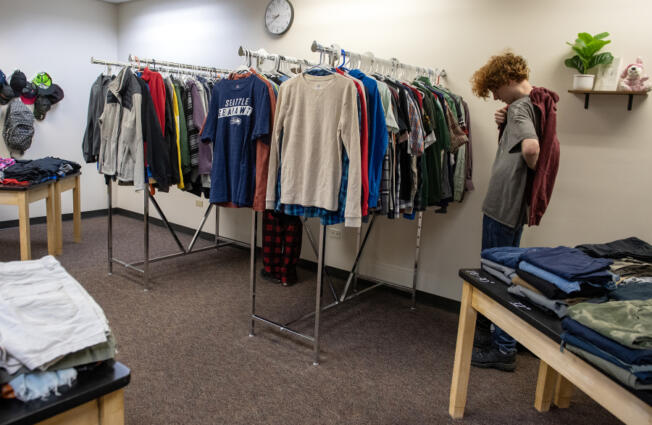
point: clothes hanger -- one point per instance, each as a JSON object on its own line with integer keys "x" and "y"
{"x": 344, "y": 61}
{"x": 319, "y": 66}
{"x": 244, "y": 67}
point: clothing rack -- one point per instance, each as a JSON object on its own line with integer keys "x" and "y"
{"x": 320, "y": 247}
{"x": 219, "y": 241}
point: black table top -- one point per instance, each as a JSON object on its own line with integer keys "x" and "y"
{"x": 497, "y": 290}
{"x": 89, "y": 386}
{"x": 543, "y": 322}
{"x": 12, "y": 187}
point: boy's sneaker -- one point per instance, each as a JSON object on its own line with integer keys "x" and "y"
{"x": 492, "y": 358}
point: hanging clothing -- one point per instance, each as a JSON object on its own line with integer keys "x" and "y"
{"x": 238, "y": 115}
{"x": 92, "y": 135}
{"x": 377, "y": 135}
{"x": 156, "y": 156}
{"x": 157, "y": 90}
{"x": 170, "y": 135}
{"x": 548, "y": 163}
{"x": 281, "y": 245}
{"x": 175, "y": 111}
{"x": 121, "y": 150}
{"x": 323, "y": 119}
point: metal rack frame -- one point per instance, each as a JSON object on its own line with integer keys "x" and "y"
{"x": 219, "y": 241}
{"x": 320, "y": 247}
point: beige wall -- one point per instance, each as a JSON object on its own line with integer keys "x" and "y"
{"x": 603, "y": 187}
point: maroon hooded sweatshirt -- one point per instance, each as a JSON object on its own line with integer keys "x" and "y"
{"x": 541, "y": 182}
{"x": 548, "y": 164}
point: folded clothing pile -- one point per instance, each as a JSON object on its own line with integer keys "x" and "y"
{"x": 4, "y": 163}
{"x": 550, "y": 278}
{"x": 630, "y": 247}
{"x": 615, "y": 336}
{"x": 632, "y": 259}
{"x": 49, "y": 326}
{"x": 26, "y": 172}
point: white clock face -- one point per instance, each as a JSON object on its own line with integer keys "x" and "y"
{"x": 278, "y": 16}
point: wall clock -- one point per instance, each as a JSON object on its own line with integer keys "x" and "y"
{"x": 279, "y": 16}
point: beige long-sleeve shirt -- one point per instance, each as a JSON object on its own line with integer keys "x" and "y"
{"x": 317, "y": 116}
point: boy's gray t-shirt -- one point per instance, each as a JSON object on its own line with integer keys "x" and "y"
{"x": 505, "y": 200}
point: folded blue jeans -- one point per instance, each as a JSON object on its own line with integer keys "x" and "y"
{"x": 561, "y": 283}
{"x": 625, "y": 354}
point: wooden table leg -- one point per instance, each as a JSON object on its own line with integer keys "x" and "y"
{"x": 463, "y": 351}
{"x": 545, "y": 387}
{"x": 57, "y": 217}
{"x": 53, "y": 239}
{"x": 23, "y": 220}
{"x": 112, "y": 408}
{"x": 563, "y": 392}
{"x": 76, "y": 210}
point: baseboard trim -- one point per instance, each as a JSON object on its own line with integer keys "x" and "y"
{"x": 422, "y": 297}
{"x": 64, "y": 217}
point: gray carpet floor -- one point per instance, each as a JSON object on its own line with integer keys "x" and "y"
{"x": 192, "y": 361}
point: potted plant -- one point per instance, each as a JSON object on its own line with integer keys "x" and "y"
{"x": 586, "y": 48}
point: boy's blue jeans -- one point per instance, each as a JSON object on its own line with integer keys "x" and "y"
{"x": 495, "y": 234}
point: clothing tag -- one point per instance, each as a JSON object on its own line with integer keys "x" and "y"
{"x": 520, "y": 305}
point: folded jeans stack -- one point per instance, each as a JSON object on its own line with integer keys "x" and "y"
{"x": 501, "y": 262}
{"x": 615, "y": 336}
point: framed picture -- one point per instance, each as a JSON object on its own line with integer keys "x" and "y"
{"x": 606, "y": 77}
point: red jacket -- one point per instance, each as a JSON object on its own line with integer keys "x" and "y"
{"x": 548, "y": 164}
{"x": 157, "y": 90}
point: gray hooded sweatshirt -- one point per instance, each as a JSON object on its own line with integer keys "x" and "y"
{"x": 121, "y": 149}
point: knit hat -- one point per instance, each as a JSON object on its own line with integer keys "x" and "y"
{"x": 18, "y": 81}
{"x": 19, "y": 126}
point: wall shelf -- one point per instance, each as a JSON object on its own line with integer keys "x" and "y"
{"x": 630, "y": 95}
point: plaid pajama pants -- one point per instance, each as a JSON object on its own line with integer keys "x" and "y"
{"x": 281, "y": 245}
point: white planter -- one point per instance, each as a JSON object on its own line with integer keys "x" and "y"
{"x": 583, "y": 81}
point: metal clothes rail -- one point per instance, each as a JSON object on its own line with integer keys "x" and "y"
{"x": 351, "y": 283}
{"x": 262, "y": 54}
{"x": 392, "y": 65}
{"x": 157, "y": 63}
{"x": 157, "y": 67}
{"x": 219, "y": 241}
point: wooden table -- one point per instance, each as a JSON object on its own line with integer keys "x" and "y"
{"x": 559, "y": 371}
{"x": 70, "y": 182}
{"x": 22, "y": 196}
{"x": 97, "y": 398}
